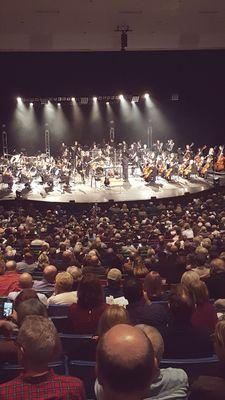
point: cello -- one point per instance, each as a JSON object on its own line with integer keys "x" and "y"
{"x": 220, "y": 162}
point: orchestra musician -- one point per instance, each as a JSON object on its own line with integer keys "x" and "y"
{"x": 163, "y": 161}
{"x": 125, "y": 163}
{"x": 219, "y": 165}
{"x": 169, "y": 145}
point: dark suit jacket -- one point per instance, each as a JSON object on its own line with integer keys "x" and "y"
{"x": 186, "y": 341}
{"x": 216, "y": 286}
{"x": 154, "y": 314}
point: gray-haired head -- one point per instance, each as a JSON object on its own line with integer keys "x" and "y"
{"x": 155, "y": 338}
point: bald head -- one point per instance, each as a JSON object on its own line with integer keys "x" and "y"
{"x": 25, "y": 281}
{"x": 125, "y": 362}
{"x": 10, "y": 266}
{"x": 50, "y": 273}
{"x": 94, "y": 260}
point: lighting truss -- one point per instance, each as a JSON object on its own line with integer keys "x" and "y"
{"x": 135, "y": 99}
{"x": 84, "y": 100}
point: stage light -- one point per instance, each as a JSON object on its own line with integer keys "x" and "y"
{"x": 121, "y": 97}
{"x": 175, "y": 97}
{"x": 84, "y": 100}
{"x": 95, "y": 98}
{"x": 19, "y": 99}
{"x": 135, "y": 99}
{"x": 148, "y": 101}
{"x": 59, "y": 104}
{"x": 107, "y": 103}
{"x": 31, "y": 104}
{"x": 73, "y": 99}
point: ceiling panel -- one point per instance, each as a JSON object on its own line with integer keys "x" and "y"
{"x": 70, "y": 25}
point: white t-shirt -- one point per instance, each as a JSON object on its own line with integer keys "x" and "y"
{"x": 66, "y": 298}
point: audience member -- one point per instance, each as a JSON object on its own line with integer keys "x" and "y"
{"x": 113, "y": 315}
{"x": 2, "y": 266}
{"x": 187, "y": 232}
{"x": 63, "y": 294}
{"x": 204, "y": 314}
{"x": 93, "y": 266}
{"x": 76, "y": 273}
{"x": 9, "y": 281}
{"x": 43, "y": 259}
{"x": 27, "y": 265}
{"x": 202, "y": 268}
{"x": 213, "y": 387}
{"x": 141, "y": 311}
{"x": 153, "y": 287}
{"x": 171, "y": 266}
{"x": 216, "y": 280}
{"x": 111, "y": 259}
{"x": 168, "y": 383}
{"x": 84, "y": 316}
{"x": 174, "y": 237}
{"x": 182, "y": 339}
{"x": 29, "y": 306}
{"x": 114, "y": 291}
{"x": 125, "y": 363}
{"x": 38, "y": 343}
{"x": 188, "y": 278}
{"x": 47, "y": 284}
{"x": 26, "y": 282}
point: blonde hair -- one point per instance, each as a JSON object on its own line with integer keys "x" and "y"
{"x": 113, "y": 315}
{"x": 199, "y": 292}
{"x": 201, "y": 250}
{"x": 217, "y": 265}
{"x": 64, "y": 281}
{"x": 189, "y": 277}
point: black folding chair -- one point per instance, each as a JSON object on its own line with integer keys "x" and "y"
{"x": 79, "y": 347}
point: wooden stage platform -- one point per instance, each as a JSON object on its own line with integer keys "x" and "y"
{"x": 119, "y": 191}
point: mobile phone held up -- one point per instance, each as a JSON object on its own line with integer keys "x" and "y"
{"x": 6, "y": 308}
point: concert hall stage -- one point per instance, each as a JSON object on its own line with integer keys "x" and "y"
{"x": 133, "y": 190}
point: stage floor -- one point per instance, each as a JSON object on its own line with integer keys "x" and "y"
{"x": 133, "y": 190}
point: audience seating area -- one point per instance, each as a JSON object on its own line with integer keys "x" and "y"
{"x": 165, "y": 237}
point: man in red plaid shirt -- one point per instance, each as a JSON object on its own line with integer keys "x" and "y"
{"x": 38, "y": 344}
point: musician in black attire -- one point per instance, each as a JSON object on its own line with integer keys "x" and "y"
{"x": 125, "y": 161}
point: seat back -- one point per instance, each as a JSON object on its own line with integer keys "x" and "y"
{"x": 79, "y": 347}
{"x": 85, "y": 370}
{"x": 194, "y": 367}
{"x": 57, "y": 311}
{"x": 61, "y": 323}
